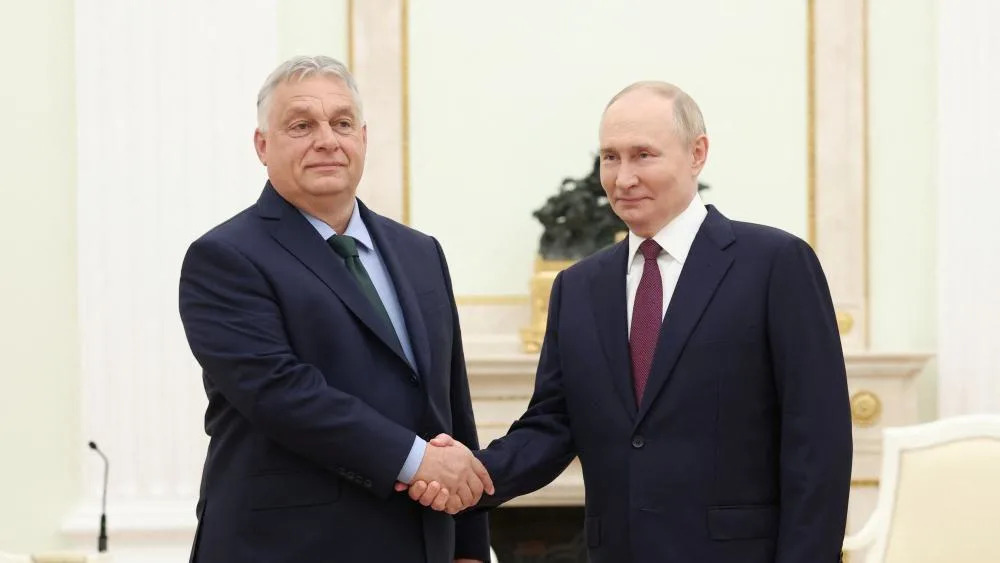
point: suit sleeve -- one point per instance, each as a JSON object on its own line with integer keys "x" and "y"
{"x": 539, "y": 445}
{"x": 236, "y": 331}
{"x": 810, "y": 377}
{"x": 472, "y": 534}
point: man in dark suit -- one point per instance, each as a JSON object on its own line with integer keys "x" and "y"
{"x": 331, "y": 351}
{"x": 695, "y": 369}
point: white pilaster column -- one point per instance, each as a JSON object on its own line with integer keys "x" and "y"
{"x": 968, "y": 207}
{"x": 378, "y": 48}
{"x": 166, "y": 94}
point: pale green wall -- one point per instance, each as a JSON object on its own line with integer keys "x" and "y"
{"x": 903, "y": 186}
{"x": 495, "y": 124}
{"x": 40, "y": 446}
{"x": 312, "y": 27}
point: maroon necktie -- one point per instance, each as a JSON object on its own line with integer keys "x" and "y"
{"x": 647, "y": 316}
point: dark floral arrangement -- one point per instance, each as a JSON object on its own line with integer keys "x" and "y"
{"x": 578, "y": 220}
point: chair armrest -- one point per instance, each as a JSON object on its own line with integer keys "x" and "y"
{"x": 864, "y": 538}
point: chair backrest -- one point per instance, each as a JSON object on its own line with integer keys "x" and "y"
{"x": 940, "y": 493}
{"x": 71, "y": 557}
{"x": 55, "y": 557}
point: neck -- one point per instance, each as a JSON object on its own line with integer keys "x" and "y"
{"x": 338, "y": 219}
{"x": 649, "y": 230}
{"x": 334, "y": 209}
{"x": 337, "y": 214}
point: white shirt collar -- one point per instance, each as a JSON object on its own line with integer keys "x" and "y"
{"x": 676, "y": 237}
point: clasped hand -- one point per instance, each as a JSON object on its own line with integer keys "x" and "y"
{"x": 449, "y": 478}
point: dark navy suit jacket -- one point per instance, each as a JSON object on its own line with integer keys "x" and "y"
{"x": 741, "y": 449}
{"x": 312, "y": 406}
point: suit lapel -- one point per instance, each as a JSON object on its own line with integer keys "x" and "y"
{"x": 390, "y": 248}
{"x": 292, "y": 231}
{"x": 608, "y": 296}
{"x": 706, "y": 266}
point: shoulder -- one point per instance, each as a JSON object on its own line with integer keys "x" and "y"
{"x": 230, "y": 232}
{"x": 764, "y": 236}
{"x": 395, "y": 229}
{"x": 612, "y": 256}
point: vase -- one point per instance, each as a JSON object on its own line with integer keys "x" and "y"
{"x": 545, "y": 273}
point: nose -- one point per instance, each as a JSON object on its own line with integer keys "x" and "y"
{"x": 326, "y": 138}
{"x": 625, "y": 178}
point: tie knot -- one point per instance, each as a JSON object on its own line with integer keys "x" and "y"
{"x": 650, "y": 249}
{"x": 343, "y": 245}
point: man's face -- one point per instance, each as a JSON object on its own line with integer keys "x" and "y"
{"x": 314, "y": 146}
{"x": 649, "y": 174}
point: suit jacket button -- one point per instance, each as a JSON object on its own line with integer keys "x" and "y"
{"x": 414, "y": 380}
{"x": 638, "y": 442}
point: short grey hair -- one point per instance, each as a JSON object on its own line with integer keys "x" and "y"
{"x": 300, "y": 68}
{"x": 688, "y": 121}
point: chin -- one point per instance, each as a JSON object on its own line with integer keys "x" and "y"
{"x": 328, "y": 188}
{"x": 633, "y": 216}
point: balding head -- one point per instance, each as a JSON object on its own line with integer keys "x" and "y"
{"x": 688, "y": 122}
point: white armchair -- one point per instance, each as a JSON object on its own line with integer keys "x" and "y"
{"x": 939, "y": 495}
{"x": 71, "y": 557}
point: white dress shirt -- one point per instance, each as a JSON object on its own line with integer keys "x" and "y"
{"x": 675, "y": 239}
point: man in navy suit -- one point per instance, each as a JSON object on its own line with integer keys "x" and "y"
{"x": 330, "y": 345}
{"x": 695, "y": 369}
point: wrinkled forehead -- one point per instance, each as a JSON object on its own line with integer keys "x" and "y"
{"x": 326, "y": 96}
{"x": 637, "y": 114}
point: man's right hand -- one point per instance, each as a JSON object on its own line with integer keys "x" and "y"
{"x": 449, "y": 477}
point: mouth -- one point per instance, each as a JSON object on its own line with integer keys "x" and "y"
{"x": 630, "y": 200}
{"x": 326, "y": 166}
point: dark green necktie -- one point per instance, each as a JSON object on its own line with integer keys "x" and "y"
{"x": 347, "y": 248}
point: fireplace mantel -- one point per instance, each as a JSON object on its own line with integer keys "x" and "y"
{"x": 882, "y": 389}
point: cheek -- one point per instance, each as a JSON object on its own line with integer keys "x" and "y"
{"x": 608, "y": 181}
{"x": 661, "y": 178}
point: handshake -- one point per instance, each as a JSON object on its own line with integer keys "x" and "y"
{"x": 449, "y": 478}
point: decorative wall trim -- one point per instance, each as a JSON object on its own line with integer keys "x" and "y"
{"x": 838, "y": 160}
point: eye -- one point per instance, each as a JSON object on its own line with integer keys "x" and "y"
{"x": 344, "y": 125}
{"x": 299, "y": 128}
{"x": 608, "y": 157}
{"x": 644, "y": 154}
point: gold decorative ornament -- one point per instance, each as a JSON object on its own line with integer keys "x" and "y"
{"x": 866, "y": 483}
{"x": 845, "y": 322}
{"x": 866, "y": 408}
{"x": 541, "y": 285}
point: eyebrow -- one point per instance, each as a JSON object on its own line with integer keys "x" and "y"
{"x": 306, "y": 109}
{"x": 641, "y": 147}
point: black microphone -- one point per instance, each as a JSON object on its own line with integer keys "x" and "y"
{"x": 102, "y": 538}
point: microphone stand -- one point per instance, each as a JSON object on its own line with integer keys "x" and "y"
{"x": 102, "y": 538}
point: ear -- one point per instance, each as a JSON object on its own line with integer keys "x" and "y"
{"x": 260, "y": 144}
{"x": 364, "y": 134}
{"x": 699, "y": 154}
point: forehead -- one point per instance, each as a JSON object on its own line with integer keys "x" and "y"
{"x": 638, "y": 114}
{"x": 328, "y": 94}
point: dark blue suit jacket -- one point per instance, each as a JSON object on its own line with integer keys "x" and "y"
{"x": 312, "y": 406}
{"x": 741, "y": 449}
